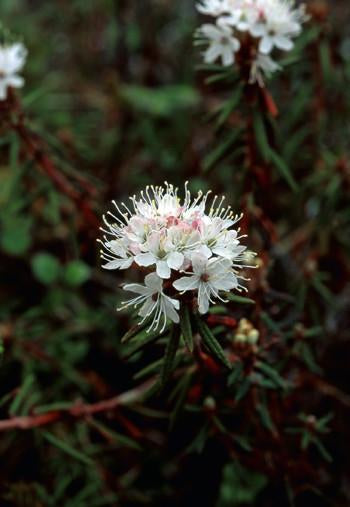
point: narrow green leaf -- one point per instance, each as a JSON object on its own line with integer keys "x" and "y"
{"x": 265, "y": 416}
{"x": 242, "y": 389}
{"x": 133, "y": 331}
{"x": 184, "y": 385}
{"x": 170, "y": 353}
{"x": 261, "y": 136}
{"x": 322, "y": 450}
{"x": 236, "y": 373}
{"x": 243, "y": 442}
{"x": 239, "y": 299}
{"x": 283, "y": 169}
{"x": 186, "y": 328}
{"x": 325, "y": 60}
{"x": 229, "y": 106}
{"x": 271, "y": 373}
{"x": 22, "y": 394}
{"x": 67, "y": 448}
{"x": 141, "y": 340}
{"x": 220, "y": 150}
{"x": 211, "y": 343}
{"x": 147, "y": 370}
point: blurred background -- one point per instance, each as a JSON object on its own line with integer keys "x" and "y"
{"x": 113, "y": 99}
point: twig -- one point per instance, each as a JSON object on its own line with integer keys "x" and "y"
{"x": 77, "y": 410}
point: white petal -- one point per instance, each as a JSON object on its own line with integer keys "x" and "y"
{"x": 154, "y": 282}
{"x": 212, "y": 53}
{"x": 199, "y": 263}
{"x": 154, "y": 243}
{"x": 118, "y": 264}
{"x": 15, "y": 81}
{"x": 145, "y": 259}
{"x": 204, "y": 251}
{"x": 170, "y": 311}
{"x": 163, "y": 269}
{"x": 3, "y": 89}
{"x": 265, "y": 45}
{"x": 228, "y": 282}
{"x": 137, "y": 288}
{"x": 258, "y": 30}
{"x": 203, "y": 301}
{"x": 175, "y": 260}
{"x": 211, "y": 31}
{"x": 147, "y": 308}
{"x": 228, "y": 56}
{"x": 283, "y": 42}
{"x": 186, "y": 283}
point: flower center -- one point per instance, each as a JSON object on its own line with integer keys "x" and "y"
{"x": 224, "y": 41}
{"x": 205, "y": 277}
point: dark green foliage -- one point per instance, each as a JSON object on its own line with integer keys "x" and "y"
{"x": 112, "y": 103}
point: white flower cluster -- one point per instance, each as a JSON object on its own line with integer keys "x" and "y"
{"x": 12, "y": 60}
{"x": 186, "y": 247}
{"x": 269, "y": 24}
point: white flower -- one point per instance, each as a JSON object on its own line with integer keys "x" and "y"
{"x": 154, "y": 302}
{"x": 222, "y": 43}
{"x": 117, "y": 255}
{"x": 279, "y": 22}
{"x": 267, "y": 24}
{"x": 12, "y": 59}
{"x": 211, "y": 7}
{"x": 208, "y": 277}
{"x": 171, "y": 236}
{"x": 262, "y": 65}
{"x": 161, "y": 253}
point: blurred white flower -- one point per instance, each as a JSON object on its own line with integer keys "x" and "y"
{"x": 174, "y": 237}
{"x": 222, "y": 44}
{"x": 270, "y": 24}
{"x": 278, "y": 24}
{"x": 212, "y": 7}
{"x": 12, "y": 60}
{"x": 262, "y": 66}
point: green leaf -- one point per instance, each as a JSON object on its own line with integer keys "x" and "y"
{"x": 160, "y": 101}
{"x": 325, "y": 60}
{"x": 242, "y": 390}
{"x": 236, "y": 373}
{"x": 15, "y": 235}
{"x": 141, "y": 340}
{"x": 239, "y": 299}
{"x": 147, "y": 370}
{"x": 261, "y": 136}
{"x": 67, "y": 448}
{"x": 322, "y": 450}
{"x": 186, "y": 328}
{"x": 46, "y": 268}
{"x": 211, "y": 343}
{"x": 220, "y": 150}
{"x": 271, "y": 373}
{"x": 283, "y": 169}
{"x": 22, "y": 394}
{"x": 181, "y": 392}
{"x": 76, "y": 273}
{"x": 240, "y": 486}
{"x": 199, "y": 441}
{"x": 170, "y": 353}
{"x": 265, "y": 416}
{"x": 229, "y": 106}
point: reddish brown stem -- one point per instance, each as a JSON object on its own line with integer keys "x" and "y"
{"x": 78, "y": 410}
